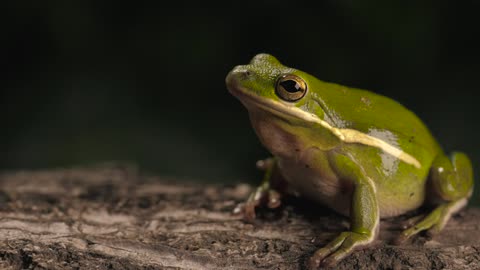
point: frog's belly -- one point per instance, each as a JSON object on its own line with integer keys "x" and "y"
{"x": 325, "y": 187}
{"x": 322, "y": 186}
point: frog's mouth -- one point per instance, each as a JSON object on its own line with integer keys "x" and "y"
{"x": 278, "y": 108}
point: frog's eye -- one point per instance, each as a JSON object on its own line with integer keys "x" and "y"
{"x": 290, "y": 88}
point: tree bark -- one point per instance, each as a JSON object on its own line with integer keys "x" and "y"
{"x": 115, "y": 217}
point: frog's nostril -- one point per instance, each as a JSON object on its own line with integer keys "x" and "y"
{"x": 242, "y": 72}
{"x": 245, "y": 74}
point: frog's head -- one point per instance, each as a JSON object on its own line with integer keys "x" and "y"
{"x": 283, "y": 91}
{"x": 263, "y": 78}
{"x": 278, "y": 98}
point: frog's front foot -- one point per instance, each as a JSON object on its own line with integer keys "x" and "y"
{"x": 340, "y": 247}
{"x": 263, "y": 195}
{"x": 259, "y": 198}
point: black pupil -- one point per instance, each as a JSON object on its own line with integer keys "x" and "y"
{"x": 291, "y": 86}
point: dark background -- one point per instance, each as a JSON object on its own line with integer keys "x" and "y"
{"x": 84, "y": 82}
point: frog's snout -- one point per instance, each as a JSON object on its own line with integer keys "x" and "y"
{"x": 237, "y": 74}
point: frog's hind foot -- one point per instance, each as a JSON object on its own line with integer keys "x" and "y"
{"x": 433, "y": 222}
{"x": 452, "y": 182}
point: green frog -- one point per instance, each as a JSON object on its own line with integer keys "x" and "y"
{"x": 359, "y": 153}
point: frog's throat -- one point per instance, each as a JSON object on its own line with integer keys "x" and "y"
{"x": 344, "y": 134}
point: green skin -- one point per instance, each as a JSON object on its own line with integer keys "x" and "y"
{"x": 334, "y": 145}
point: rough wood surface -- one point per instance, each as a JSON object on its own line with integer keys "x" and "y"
{"x": 114, "y": 217}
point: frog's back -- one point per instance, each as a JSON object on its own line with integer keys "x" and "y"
{"x": 377, "y": 116}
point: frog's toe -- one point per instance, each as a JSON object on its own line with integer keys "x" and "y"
{"x": 249, "y": 212}
{"x": 414, "y": 230}
{"x": 431, "y": 228}
{"x": 313, "y": 263}
{"x": 337, "y": 256}
{"x": 245, "y": 211}
{"x": 338, "y": 249}
{"x": 436, "y": 229}
{"x": 411, "y": 221}
{"x": 317, "y": 258}
{"x": 401, "y": 239}
{"x": 274, "y": 199}
{"x": 238, "y": 210}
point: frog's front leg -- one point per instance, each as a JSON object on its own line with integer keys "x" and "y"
{"x": 364, "y": 216}
{"x": 451, "y": 181}
{"x": 268, "y": 192}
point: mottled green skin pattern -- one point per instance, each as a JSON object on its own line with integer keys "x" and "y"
{"x": 356, "y": 179}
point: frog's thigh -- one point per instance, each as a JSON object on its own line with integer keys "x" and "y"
{"x": 452, "y": 181}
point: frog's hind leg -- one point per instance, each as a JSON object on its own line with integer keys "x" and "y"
{"x": 452, "y": 182}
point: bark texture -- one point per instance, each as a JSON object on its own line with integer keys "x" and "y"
{"x": 115, "y": 217}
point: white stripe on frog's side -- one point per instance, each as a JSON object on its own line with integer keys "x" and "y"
{"x": 354, "y": 136}
{"x": 346, "y": 135}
